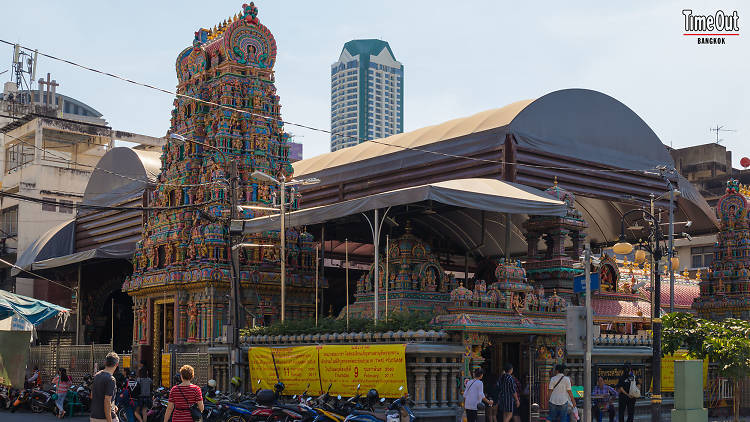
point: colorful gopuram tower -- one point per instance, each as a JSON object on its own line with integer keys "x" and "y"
{"x": 555, "y": 268}
{"x": 228, "y": 113}
{"x": 726, "y": 292}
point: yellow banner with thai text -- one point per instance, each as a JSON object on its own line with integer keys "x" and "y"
{"x": 166, "y": 369}
{"x": 667, "y": 370}
{"x": 342, "y": 367}
{"x": 296, "y": 367}
{"x": 382, "y": 367}
{"x": 125, "y": 361}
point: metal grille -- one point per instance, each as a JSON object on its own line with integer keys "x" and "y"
{"x": 77, "y": 360}
{"x": 199, "y": 362}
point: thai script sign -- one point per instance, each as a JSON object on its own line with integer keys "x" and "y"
{"x": 343, "y": 367}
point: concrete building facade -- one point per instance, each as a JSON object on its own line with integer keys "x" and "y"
{"x": 367, "y": 93}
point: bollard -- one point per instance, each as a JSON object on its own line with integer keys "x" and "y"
{"x": 688, "y": 392}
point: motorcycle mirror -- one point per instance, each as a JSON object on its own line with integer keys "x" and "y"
{"x": 258, "y": 382}
{"x": 294, "y": 397}
{"x": 358, "y": 385}
{"x": 400, "y": 388}
{"x": 382, "y": 400}
{"x": 218, "y": 391}
{"x": 309, "y": 399}
{"x": 339, "y": 397}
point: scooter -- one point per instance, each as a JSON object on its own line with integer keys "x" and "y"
{"x": 43, "y": 401}
{"x": 20, "y": 399}
{"x": 398, "y": 411}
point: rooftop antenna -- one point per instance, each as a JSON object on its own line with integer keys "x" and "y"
{"x": 719, "y": 129}
{"x": 24, "y": 68}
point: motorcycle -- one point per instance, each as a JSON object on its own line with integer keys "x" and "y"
{"x": 20, "y": 399}
{"x": 398, "y": 411}
{"x": 43, "y": 401}
{"x": 5, "y": 397}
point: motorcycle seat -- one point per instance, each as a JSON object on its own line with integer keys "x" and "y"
{"x": 377, "y": 416}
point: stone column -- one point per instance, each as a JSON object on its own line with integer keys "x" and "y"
{"x": 455, "y": 375}
{"x": 157, "y": 341}
{"x": 419, "y": 382}
{"x": 434, "y": 370}
{"x": 444, "y": 370}
{"x": 532, "y": 240}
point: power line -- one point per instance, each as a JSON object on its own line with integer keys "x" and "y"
{"x": 102, "y": 207}
{"x": 36, "y": 275}
{"x": 312, "y": 128}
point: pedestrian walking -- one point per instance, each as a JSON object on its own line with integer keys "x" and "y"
{"x": 561, "y": 395}
{"x": 474, "y": 398}
{"x": 103, "y": 391}
{"x": 144, "y": 398}
{"x": 130, "y": 394}
{"x": 508, "y": 394}
{"x": 491, "y": 392}
{"x": 62, "y": 382}
{"x": 183, "y": 396}
{"x": 603, "y": 396}
{"x": 628, "y": 387}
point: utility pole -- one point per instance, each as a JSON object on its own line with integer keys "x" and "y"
{"x": 282, "y": 185}
{"x": 671, "y": 249}
{"x": 235, "y": 273}
{"x": 589, "y": 337}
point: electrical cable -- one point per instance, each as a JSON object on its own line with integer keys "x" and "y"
{"x": 36, "y": 275}
{"x": 312, "y": 128}
{"x": 104, "y": 207}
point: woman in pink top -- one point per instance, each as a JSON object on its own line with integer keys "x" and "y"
{"x": 62, "y": 383}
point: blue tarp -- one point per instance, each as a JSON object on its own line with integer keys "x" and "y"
{"x": 33, "y": 310}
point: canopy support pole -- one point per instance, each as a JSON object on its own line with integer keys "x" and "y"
{"x": 375, "y": 225}
{"x": 78, "y": 306}
{"x": 507, "y": 236}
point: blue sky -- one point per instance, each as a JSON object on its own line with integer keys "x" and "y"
{"x": 460, "y": 57}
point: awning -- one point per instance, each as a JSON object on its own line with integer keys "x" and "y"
{"x": 478, "y": 194}
{"x": 33, "y": 310}
{"x": 56, "y": 241}
{"x": 123, "y": 251}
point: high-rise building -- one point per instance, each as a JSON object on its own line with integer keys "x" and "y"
{"x": 367, "y": 94}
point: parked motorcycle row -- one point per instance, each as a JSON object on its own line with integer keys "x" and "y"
{"x": 38, "y": 399}
{"x": 261, "y": 405}
{"x": 272, "y": 406}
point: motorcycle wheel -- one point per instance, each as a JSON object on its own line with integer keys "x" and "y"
{"x": 37, "y": 406}
{"x": 122, "y": 414}
{"x": 234, "y": 418}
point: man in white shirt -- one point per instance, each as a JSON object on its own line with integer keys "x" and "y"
{"x": 474, "y": 394}
{"x": 561, "y": 394}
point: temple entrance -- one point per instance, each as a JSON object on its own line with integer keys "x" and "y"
{"x": 163, "y": 335}
{"x": 513, "y": 350}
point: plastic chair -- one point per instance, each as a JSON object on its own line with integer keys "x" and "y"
{"x": 74, "y": 403}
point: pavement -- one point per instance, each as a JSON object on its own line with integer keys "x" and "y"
{"x": 26, "y": 416}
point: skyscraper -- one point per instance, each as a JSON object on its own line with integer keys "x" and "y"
{"x": 367, "y": 94}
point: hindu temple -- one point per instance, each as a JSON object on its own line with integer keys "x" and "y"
{"x": 725, "y": 293}
{"x": 226, "y": 113}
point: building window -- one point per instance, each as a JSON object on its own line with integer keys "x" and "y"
{"x": 10, "y": 221}
{"x": 66, "y": 207}
{"x": 702, "y": 256}
{"x": 49, "y": 206}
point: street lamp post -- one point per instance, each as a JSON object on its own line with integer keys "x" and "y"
{"x": 282, "y": 184}
{"x": 624, "y": 248}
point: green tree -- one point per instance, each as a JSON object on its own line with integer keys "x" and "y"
{"x": 725, "y": 343}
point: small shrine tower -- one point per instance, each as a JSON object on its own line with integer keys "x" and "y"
{"x": 228, "y": 113}
{"x": 553, "y": 269}
{"x": 726, "y": 292}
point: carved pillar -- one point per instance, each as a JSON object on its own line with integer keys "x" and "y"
{"x": 532, "y": 241}
{"x": 455, "y": 375}
{"x": 182, "y": 319}
{"x": 444, "y": 370}
{"x": 419, "y": 382}
{"x": 156, "y": 340}
{"x": 434, "y": 370}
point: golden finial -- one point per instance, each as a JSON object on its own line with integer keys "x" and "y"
{"x": 555, "y": 180}
{"x": 214, "y": 30}
{"x": 686, "y": 273}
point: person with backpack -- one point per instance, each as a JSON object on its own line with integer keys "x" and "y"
{"x": 628, "y": 387}
{"x": 126, "y": 397}
{"x": 144, "y": 398}
{"x": 561, "y": 395}
{"x": 474, "y": 398}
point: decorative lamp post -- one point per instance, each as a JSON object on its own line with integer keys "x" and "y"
{"x": 623, "y": 247}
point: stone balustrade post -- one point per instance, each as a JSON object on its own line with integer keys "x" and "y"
{"x": 420, "y": 382}
{"x": 444, "y": 370}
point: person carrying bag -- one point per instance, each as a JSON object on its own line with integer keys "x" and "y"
{"x": 561, "y": 395}
{"x": 474, "y": 398}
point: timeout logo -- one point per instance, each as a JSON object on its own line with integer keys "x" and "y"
{"x": 711, "y": 29}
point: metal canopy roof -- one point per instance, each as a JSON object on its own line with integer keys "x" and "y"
{"x": 460, "y": 210}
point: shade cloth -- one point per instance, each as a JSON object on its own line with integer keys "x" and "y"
{"x": 122, "y": 251}
{"x": 481, "y": 194}
{"x": 33, "y": 310}
{"x": 56, "y": 241}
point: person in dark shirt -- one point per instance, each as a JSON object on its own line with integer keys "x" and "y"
{"x": 103, "y": 391}
{"x": 508, "y": 397}
{"x": 625, "y": 401}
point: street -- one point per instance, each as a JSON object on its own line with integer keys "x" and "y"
{"x": 6, "y": 416}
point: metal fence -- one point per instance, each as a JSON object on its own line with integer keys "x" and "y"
{"x": 77, "y": 360}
